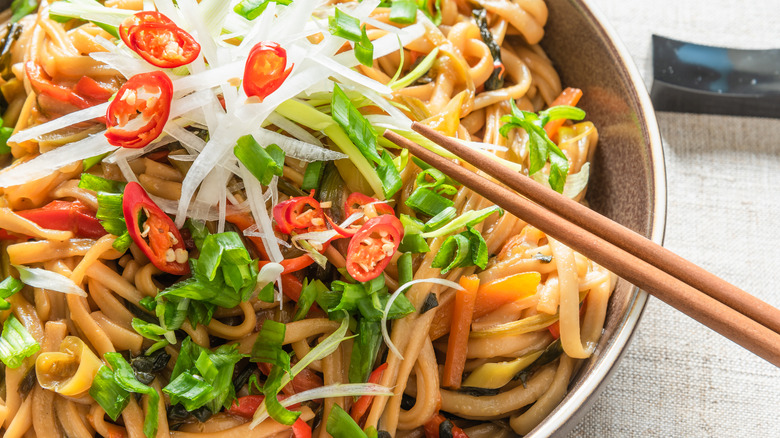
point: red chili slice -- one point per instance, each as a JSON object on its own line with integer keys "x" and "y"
{"x": 42, "y": 83}
{"x": 67, "y": 216}
{"x": 372, "y": 247}
{"x": 154, "y": 232}
{"x": 158, "y": 40}
{"x": 139, "y": 111}
{"x": 301, "y": 212}
{"x": 139, "y": 18}
{"x": 264, "y": 70}
{"x": 360, "y": 203}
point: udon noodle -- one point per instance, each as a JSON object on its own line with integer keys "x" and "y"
{"x": 495, "y": 367}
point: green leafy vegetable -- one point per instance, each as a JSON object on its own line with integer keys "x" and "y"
{"x": 109, "y": 212}
{"x": 464, "y": 249}
{"x": 414, "y": 243}
{"x": 348, "y": 27}
{"x": 262, "y": 163}
{"x": 440, "y": 219}
{"x": 125, "y": 379}
{"x": 268, "y": 345}
{"x": 21, "y": 8}
{"x": 251, "y": 9}
{"x": 364, "y": 350}
{"x": 208, "y": 376}
{"x": 357, "y": 127}
{"x": 8, "y": 287}
{"x": 308, "y": 296}
{"x": 427, "y": 201}
{"x": 362, "y": 134}
{"x": 224, "y": 275}
{"x": 341, "y": 425}
{"x": 154, "y": 333}
{"x": 405, "y": 268}
{"x": 16, "y": 343}
{"x": 541, "y": 147}
{"x": 467, "y": 219}
{"x": 108, "y": 394}
{"x": 312, "y": 175}
{"x": 403, "y": 11}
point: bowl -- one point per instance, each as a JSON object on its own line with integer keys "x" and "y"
{"x": 628, "y": 183}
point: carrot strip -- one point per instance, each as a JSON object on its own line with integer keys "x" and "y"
{"x": 490, "y": 296}
{"x": 457, "y": 345}
{"x": 569, "y": 96}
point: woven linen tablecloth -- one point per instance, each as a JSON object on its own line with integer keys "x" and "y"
{"x": 678, "y": 378}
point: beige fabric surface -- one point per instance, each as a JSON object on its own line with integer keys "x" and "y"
{"x": 679, "y": 379}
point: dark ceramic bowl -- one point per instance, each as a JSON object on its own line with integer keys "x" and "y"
{"x": 628, "y": 183}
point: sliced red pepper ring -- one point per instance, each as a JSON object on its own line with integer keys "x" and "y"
{"x": 140, "y": 18}
{"x": 139, "y": 111}
{"x": 301, "y": 212}
{"x": 154, "y": 232}
{"x": 372, "y": 247}
{"x": 42, "y": 83}
{"x": 158, "y": 40}
{"x": 264, "y": 71}
{"x": 66, "y": 216}
{"x": 371, "y": 207}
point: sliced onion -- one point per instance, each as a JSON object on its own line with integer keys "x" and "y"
{"x": 383, "y": 322}
{"x": 44, "y": 279}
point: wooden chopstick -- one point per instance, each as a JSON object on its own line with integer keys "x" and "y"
{"x": 718, "y": 316}
{"x": 614, "y": 233}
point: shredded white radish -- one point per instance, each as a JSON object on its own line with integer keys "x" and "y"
{"x": 295, "y": 148}
{"x": 59, "y": 123}
{"x": 383, "y": 322}
{"x": 44, "y": 279}
{"x": 45, "y": 164}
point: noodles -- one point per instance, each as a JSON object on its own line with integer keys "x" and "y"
{"x": 295, "y": 222}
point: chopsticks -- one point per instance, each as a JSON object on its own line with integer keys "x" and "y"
{"x": 726, "y": 309}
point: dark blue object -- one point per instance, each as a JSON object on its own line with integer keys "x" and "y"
{"x": 714, "y": 80}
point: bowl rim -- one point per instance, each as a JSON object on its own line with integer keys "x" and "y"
{"x": 569, "y": 413}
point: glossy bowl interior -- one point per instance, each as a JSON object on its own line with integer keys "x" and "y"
{"x": 628, "y": 182}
